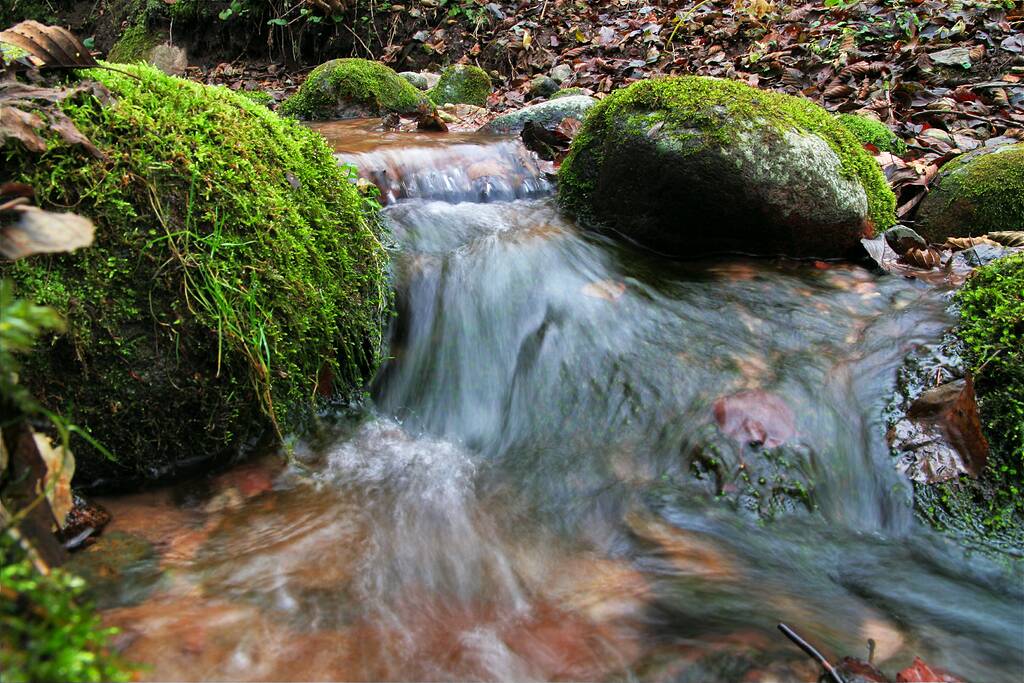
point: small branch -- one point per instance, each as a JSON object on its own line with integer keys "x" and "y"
{"x": 812, "y": 653}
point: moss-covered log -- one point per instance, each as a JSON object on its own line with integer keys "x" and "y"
{"x": 236, "y": 275}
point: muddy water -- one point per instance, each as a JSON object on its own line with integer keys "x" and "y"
{"x": 582, "y": 463}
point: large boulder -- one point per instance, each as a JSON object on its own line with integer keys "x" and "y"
{"x": 352, "y": 88}
{"x": 979, "y": 192}
{"x": 546, "y": 114}
{"x": 235, "y": 279}
{"x": 691, "y": 165}
{"x": 462, "y": 84}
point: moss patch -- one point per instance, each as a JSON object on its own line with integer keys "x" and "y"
{"x": 258, "y": 96}
{"x": 462, "y": 84}
{"x": 346, "y": 88}
{"x": 709, "y": 108}
{"x": 992, "y": 331}
{"x": 872, "y": 132}
{"x": 567, "y": 92}
{"x": 236, "y": 274}
{"x": 133, "y": 45}
{"x": 977, "y": 193}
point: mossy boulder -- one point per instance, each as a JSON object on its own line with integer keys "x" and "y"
{"x": 462, "y": 84}
{"x": 872, "y": 132}
{"x": 691, "y": 165}
{"x": 547, "y": 114}
{"x": 352, "y": 88}
{"x": 979, "y": 192}
{"x": 235, "y": 282}
{"x": 134, "y": 45}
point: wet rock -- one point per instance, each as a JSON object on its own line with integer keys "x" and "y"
{"x": 561, "y": 73}
{"x": 543, "y": 86}
{"x": 546, "y": 114}
{"x": 978, "y": 192}
{"x": 756, "y": 417}
{"x": 901, "y": 239}
{"x": 120, "y": 569}
{"x": 954, "y": 56}
{"x": 85, "y": 521}
{"x": 941, "y": 438}
{"x": 983, "y": 254}
{"x": 694, "y": 165}
{"x": 170, "y": 59}
{"x": 417, "y": 80}
{"x": 462, "y": 84}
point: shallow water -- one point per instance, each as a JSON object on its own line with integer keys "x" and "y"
{"x": 542, "y": 489}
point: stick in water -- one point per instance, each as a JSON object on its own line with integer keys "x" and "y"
{"x": 813, "y": 653}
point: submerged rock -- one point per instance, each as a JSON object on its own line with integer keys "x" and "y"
{"x": 352, "y": 88}
{"x": 976, "y": 193}
{"x": 462, "y": 84}
{"x": 233, "y": 267}
{"x": 694, "y": 165}
{"x": 546, "y": 114}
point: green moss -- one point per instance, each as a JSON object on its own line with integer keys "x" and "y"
{"x": 48, "y": 631}
{"x": 133, "y": 45}
{"x": 872, "y": 132}
{"x": 236, "y": 274}
{"x": 258, "y": 96}
{"x": 352, "y": 87}
{"x": 711, "y": 107}
{"x": 976, "y": 193}
{"x": 992, "y": 330}
{"x": 462, "y": 84}
{"x": 567, "y": 92}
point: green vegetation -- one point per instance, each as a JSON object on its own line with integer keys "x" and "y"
{"x": 977, "y": 193}
{"x": 992, "y": 331}
{"x": 48, "y": 632}
{"x": 133, "y": 45}
{"x": 567, "y": 92}
{"x": 13, "y": 11}
{"x": 345, "y": 88}
{"x": 236, "y": 275}
{"x": 711, "y": 108}
{"x": 872, "y": 132}
{"x": 462, "y": 84}
{"x": 258, "y": 96}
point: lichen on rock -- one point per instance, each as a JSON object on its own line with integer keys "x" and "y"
{"x": 462, "y": 84}
{"x": 352, "y": 88}
{"x": 695, "y": 164}
{"x": 236, "y": 275}
{"x": 979, "y": 192}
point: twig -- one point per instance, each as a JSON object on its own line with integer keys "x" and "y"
{"x": 811, "y": 652}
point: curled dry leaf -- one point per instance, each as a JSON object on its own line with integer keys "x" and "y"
{"x": 19, "y": 125}
{"x": 1007, "y": 238}
{"x": 60, "y": 467}
{"x": 49, "y": 46}
{"x": 44, "y": 232}
{"x": 922, "y": 258}
{"x": 962, "y": 243}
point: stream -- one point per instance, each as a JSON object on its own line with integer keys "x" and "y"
{"x": 580, "y": 462}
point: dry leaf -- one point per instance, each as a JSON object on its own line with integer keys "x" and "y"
{"x": 22, "y": 126}
{"x": 44, "y": 232}
{"x": 1008, "y": 238}
{"x": 60, "y": 467}
{"x": 922, "y": 258}
{"x": 48, "y": 46}
{"x": 962, "y": 243}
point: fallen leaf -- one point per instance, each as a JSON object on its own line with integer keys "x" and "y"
{"x": 755, "y": 416}
{"x": 44, "y": 232}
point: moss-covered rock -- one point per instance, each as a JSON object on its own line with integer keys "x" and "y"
{"x": 872, "y": 132}
{"x": 568, "y": 92}
{"x": 462, "y": 84}
{"x": 979, "y": 192}
{"x": 691, "y": 164}
{"x": 352, "y": 88}
{"x": 134, "y": 45}
{"x": 236, "y": 275}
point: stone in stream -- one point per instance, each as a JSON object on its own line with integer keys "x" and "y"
{"x": 543, "y": 86}
{"x": 352, "y": 88}
{"x": 692, "y": 165}
{"x": 976, "y": 193}
{"x": 418, "y": 80}
{"x": 546, "y": 114}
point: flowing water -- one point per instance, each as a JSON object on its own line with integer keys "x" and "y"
{"x": 582, "y": 462}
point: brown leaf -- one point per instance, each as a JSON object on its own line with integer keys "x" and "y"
{"x": 919, "y": 672}
{"x": 44, "y": 232}
{"x": 60, "y": 123}
{"x": 962, "y": 243}
{"x": 1008, "y": 238}
{"x": 837, "y": 91}
{"x": 22, "y": 126}
{"x": 922, "y": 258}
{"x": 756, "y": 417}
{"x": 49, "y": 46}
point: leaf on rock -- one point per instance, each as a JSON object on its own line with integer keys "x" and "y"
{"x": 44, "y": 232}
{"x": 922, "y": 258}
{"x": 962, "y": 243}
{"x": 1008, "y": 238}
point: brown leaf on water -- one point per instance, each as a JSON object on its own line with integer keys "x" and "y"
{"x": 1007, "y": 238}
{"x": 44, "y": 232}
{"x": 48, "y": 46}
{"x": 755, "y": 417}
{"x": 922, "y": 258}
{"x": 962, "y": 243}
